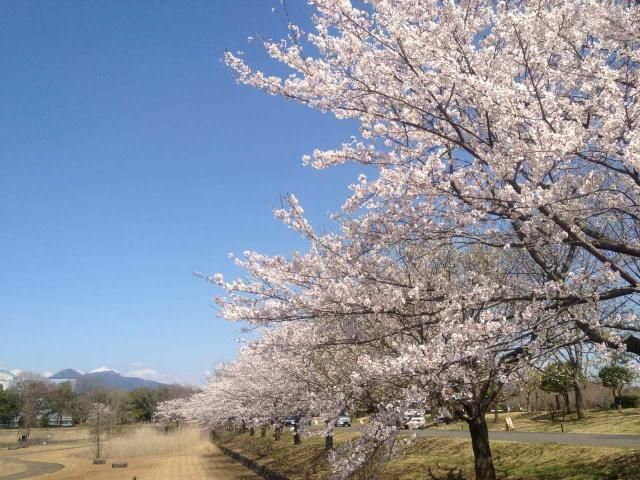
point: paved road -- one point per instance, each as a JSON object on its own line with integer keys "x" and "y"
{"x": 590, "y": 439}
{"x": 34, "y": 469}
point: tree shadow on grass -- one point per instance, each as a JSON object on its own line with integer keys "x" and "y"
{"x": 616, "y": 468}
{"x": 443, "y": 474}
{"x": 613, "y": 467}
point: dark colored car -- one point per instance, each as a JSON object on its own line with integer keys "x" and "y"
{"x": 291, "y": 421}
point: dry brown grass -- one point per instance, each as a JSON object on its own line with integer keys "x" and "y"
{"x": 8, "y": 467}
{"x": 149, "y": 440}
{"x": 8, "y": 438}
{"x": 182, "y": 454}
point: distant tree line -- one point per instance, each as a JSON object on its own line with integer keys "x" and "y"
{"x": 32, "y": 401}
{"x": 567, "y": 385}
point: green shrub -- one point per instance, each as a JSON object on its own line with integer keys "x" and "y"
{"x": 262, "y": 446}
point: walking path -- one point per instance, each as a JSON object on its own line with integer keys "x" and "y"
{"x": 213, "y": 466}
{"x": 33, "y": 469}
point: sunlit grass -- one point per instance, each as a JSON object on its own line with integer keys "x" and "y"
{"x": 444, "y": 458}
{"x": 149, "y": 440}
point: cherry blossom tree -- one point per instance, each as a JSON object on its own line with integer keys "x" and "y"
{"x": 419, "y": 322}
{"x": 501, "y": 225}
{"x": 508, "y": 124}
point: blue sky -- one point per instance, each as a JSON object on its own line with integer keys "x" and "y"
{"x": 130, "y": 159}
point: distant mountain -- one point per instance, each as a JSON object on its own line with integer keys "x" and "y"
{"x": 66, "y": 374}
{"x": 108, "y": 380}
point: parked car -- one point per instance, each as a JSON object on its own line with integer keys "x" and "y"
{"x": 413, "y": 412}
{"x": 343, "y": 421}
{"x": 415, "y": 422}
{"x": 291, "y": 421}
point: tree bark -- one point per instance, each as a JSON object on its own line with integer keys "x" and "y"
{"x": 481, "y": 449}
{"x": 328, "y": 442}
{"x": 296, "y": 435}
{"x": 581, "y": 409}
{"x": 566, "y": 401}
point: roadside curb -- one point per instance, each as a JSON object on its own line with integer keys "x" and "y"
{"x": 261, "y": 470}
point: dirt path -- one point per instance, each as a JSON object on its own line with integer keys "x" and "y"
{"x": 33, "y": 469}
{"x": 213, "y": 465}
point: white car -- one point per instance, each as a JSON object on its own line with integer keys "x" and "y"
{"x": 415, "y": 422}
{"x": 343, "y": 421}
{"x": 413, "y": 412}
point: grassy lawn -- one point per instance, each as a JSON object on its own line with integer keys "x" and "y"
{"x": 626, "y": 421}
{"x": 452, "y": 459}
{"x": 448, "y": 459}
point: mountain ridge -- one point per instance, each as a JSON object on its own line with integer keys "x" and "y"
{"x": 65, "y": 374}
{"x": 106, "y": 379}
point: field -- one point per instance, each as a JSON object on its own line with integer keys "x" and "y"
{"x": 185, "y": 453}
{"x": 150, "y": 454}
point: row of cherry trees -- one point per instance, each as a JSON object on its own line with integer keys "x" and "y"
{"x": 501, "y": 225}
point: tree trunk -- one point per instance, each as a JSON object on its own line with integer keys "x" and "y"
{"x": 495, "y": 413}
{"x": 481, "y": 450}
{"x": 581, "y": 409}
{"x": 296, "y": 435}
{"x": 263, "y": 430}
{"x": 566, "y": 401}
{"x": 528, "y": 401}
{"x": 328, "y": 442}
{"x": 98, "y": 435}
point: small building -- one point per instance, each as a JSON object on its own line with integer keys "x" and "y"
{"x": 60, "y": 420}
{"x": 11, "y": 423}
